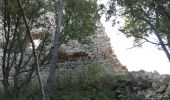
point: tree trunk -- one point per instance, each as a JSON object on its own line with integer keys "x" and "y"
{"x": 34, "y": 50}
{"x": 55, "y": 49}
{"x": 5, "y": 72}
{"x": 154, "y": 28}
{"x": 157, "y": 33}
{"x": 168, "y": 39}
{"x": 163, "y": 45}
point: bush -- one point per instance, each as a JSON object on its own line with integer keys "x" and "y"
{"x": 133, "y": 97}
{"x": 90, "y": 83}
{"x": 28, "y": 92}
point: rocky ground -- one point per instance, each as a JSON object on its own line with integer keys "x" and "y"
{"x": 147, "y": 85}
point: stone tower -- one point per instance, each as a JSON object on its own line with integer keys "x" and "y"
{"x": 99, "y": 51}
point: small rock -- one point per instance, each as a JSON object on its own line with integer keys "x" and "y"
{"x": 165, "y": 79}
{"x": 148, "y": 96}
{"x": 161, "y": 89}
{"x": 135, "y": 88}
{"x": 160, "y": 97}
{"x": 168, "y": 89}
{"x": 155, "y": 85}
{"x": 166, "y": 96}
{"x": 140, "y": 93}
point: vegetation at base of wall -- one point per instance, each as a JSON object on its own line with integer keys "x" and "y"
{"x": 90, "y": 83}
{"x": 28, "y": 92}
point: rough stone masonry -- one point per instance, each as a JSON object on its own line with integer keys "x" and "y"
{"x": 76, "y": 56}
{"x": 99, "y": 52}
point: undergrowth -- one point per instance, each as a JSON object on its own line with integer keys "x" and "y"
{"x": 91, "y": 83}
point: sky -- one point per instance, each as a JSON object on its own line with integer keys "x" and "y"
{"x": 148, "y": 57}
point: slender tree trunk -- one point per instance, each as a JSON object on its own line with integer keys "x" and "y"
{"x": 168, "y": 39}
{"x": 34, "y": 50}
{"x": 55, "y": 49}
{"x": 159, "y": 36}
{"x": 5, "y": 72}
{"x": 163, "y": 45}
{"x": 160, "y": 40}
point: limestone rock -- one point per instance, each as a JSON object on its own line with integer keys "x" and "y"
{"x": 120, "y": 69}
{"x": 168, "y": 89}
{"x": 161, "y": 89}
{"x": 99, "y": 51}
{"x": 155, "y": 85}
{"x": 148, "y": 95}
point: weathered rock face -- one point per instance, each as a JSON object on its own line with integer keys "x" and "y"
{"x": 99, "y": 51}
{"x": 159, "y": 88}
{"x": 143, "y": 85}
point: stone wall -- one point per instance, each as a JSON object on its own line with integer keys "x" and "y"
{"x": 99, "y": 52}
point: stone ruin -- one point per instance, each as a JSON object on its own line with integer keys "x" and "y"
{"x": 74, "y": 55}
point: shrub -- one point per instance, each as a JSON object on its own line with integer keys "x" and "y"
{"x": 90, "y": 83}
{"x": 28, "y": 92}
{"x": 133, "y": 97}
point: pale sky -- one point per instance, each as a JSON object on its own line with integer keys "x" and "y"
{"x": 148, "y": 57}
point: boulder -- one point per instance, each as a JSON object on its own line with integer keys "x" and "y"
{"x": 161, "y": 89}
{"x": 168, "y": 89}
{"x": 155, "y": 85}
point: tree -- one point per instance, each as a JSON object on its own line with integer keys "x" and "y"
{"x": 77, "y": 25}
{"x": 16, "y": 63}
{"x": 77, "y": 13}
{"x": 80, "y": 20}
{"x": 144, "y": 18}
{"x": 34, "y": 50}
{"x": 53, "y": 62}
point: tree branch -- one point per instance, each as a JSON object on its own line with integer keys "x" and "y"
{"x": 34, "y": 50}
{"x": 153, "y": 28}
{"x": 55, "y": 49}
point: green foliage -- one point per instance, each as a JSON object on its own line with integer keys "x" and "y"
{"x": 133, "y": 97}
{"x": 142, "y": 18}
{"x": 80, "y": 20}
{"x": 28, "y": 92}
{"x": 86, "y": 84}
{"x": 92, "y": 82}
{"x": 79, "y": 23}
